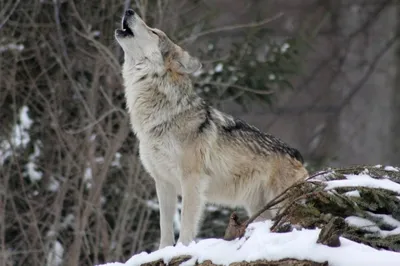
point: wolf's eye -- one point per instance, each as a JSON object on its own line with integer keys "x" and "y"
{"x": 154, "y": 32}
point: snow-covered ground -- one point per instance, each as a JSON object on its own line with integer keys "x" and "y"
{"x": 261, "y": 244}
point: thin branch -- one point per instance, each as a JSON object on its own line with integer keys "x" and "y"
{"x": 244, "y": 88}
{"x": 92, "y": 124}
{"x": 9, "y": 15}
{"x": 232, "y": 28}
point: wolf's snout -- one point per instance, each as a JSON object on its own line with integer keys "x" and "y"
{"x": 126, "y": 30}
{"x": 129, "y": 13}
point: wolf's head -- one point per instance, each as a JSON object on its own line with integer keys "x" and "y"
{"x": 150, "y": 46}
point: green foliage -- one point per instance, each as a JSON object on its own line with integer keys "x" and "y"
{"x": 255, "y": 69}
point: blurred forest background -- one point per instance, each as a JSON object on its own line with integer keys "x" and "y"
{"x": 323, "y": 75}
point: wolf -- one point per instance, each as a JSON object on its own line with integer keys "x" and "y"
{"x": 190, "y": 148}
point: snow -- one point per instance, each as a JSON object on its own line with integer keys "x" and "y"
{"x": 96, "y": 33}
{"x": 322, "y": 175}
{"x": 88, "y": 177}
{"x": 198, "y": 72}
{"x": 54, "y": 258}
{"x": 19, "y": 135}
{"x": 363, "y": 180}
{"x": 391, "y": 168}
{"x": 68, "y": 220}
{"x": 362, "y": 223}
{"x": 117, "y": 160}
{"x": 373, "y": 227}
{"x": 31, "y": 169}
{"x": 12, "y": 46}
{"x": 99, "y": 159}
{"x": 53, "y": 185}
{"x": 353, "y": 193}
{"x": 261, "y": 244}
{"x": 33, "y": 174}
{"x": 218, "y": 68}
{"x": 388, "y": 219}
{"x": 285, "y": 47}
{"x": 152, "y": 204}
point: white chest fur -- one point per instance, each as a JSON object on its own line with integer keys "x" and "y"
{"x": 161, "y": 159}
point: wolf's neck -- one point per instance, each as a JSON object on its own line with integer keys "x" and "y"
{"x": 154, "y": 98}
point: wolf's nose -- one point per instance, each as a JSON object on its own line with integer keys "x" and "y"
{"x": 129, "y": 12}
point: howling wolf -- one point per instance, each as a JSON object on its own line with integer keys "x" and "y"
{"x": 187, "y": 146}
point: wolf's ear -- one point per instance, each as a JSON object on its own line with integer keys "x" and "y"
{"x": 187, "y": 63}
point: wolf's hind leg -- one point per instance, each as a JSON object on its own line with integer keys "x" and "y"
{"x": 252, "y": 208}
{"x": 167, "y": 199}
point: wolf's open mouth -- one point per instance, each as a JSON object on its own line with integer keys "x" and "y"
{"x": 125, "y": 31}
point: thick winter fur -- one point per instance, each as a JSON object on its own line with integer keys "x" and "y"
{"x": 187, "y": 146}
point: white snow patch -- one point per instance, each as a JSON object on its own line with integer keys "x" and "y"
{"x": 88, "y": 177}
{"x": 103, "y": 200}
{"x": 322, "y": 175}
{"x": 388, "y": 219}
{"x": 363, "y": 180}
{"x": 285, "y": 47}
{"x": 12, "y": 47}
{"x": 362, "y": 223}
{"x": 33, "y": 174}
{"x": 353, "y": 193}
{"x": 117, "y": 160}
{"x": 391, "y": 168}
{"x": 198, "y": 72}
{"x": 378, "y": 166}
{"x": 92, "y": 137}
{"x": 372, "y": 227}
{"x": 19, "y": 135}
{"x": 53, "y": 185}
{"x": 68, "y": 220}
{"x": 96, "y": 33}
{"x": 55, "y": 256}
{"x": 365, "y": 171}
{"x": 99, "y": 159}
{"x": 152, "y": 204}
{"x": 271, "y": 77}
{"x": 261, "y": 244}
{"x": 386, "y": 233}
{"x": 31, "y": 168}
{"x": 51, "y": 233}
{"x": 218, "y": 68}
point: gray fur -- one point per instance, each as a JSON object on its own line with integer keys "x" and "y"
{"x": 190, "y": 148}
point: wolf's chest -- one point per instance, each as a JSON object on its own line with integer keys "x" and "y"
{"x": 162, "y": 159}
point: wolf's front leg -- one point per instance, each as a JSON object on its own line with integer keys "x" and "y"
{"x": 167, "y": 199}
{"x": 192, "y": 208}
